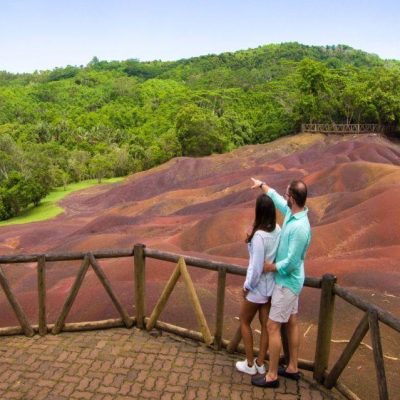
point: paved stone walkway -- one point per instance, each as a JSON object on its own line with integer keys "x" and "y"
{"x": 128, "y": 364}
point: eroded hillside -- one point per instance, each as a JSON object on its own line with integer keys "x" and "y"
{"x": 203, "y": 206}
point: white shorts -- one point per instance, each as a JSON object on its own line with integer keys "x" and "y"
{"x": 255, "y": 297}
{"x": 284, "y": 303}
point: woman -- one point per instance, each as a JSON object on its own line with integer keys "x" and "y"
{"x": 257, "y": 289}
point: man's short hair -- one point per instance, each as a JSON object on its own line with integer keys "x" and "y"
{"x": 298, "y": 190}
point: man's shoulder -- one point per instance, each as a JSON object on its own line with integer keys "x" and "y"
{"x": 301, "y": 226}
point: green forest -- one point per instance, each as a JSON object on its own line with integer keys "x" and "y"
{"x": 113, "y": 118}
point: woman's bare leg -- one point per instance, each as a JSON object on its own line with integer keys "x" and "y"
{"x": 247, "y": 312}
{"x": 263, "y": 316}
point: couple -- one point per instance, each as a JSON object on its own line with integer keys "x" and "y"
{"x": 274, "y": 279}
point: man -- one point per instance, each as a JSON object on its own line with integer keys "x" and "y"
{"x": 289, "y": 278}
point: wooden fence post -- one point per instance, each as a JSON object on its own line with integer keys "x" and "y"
{"x": 378, "y": 354}
{"x": 220, "y": 308}
{"x": 139, "y": 269}
{"x": 325, "y": 324}
{"x": 234, "y": 342}
{"x": 41, "y": 270}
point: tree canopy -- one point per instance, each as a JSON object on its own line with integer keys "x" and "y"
{"x": 112, "y": 118}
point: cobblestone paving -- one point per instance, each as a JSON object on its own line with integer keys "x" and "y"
{"x": 128, "y": 364}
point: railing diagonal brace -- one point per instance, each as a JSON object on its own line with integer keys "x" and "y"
{"x": 23, "y": 320}
{"x": 348, "y": 352}
{"x": 107, "y": 286}
{"x": 71, "y": 296}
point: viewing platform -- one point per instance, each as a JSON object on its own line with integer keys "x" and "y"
{"x": 121, "y": 363}
{"x": 139, "y": 356}
{"x": 343, "y": 129}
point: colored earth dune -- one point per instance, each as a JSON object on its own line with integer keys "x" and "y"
{"x": 203, "y": 207}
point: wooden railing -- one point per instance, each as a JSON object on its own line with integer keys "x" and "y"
{"x": 343, "y": 128}
{"x": 327, "y": 284}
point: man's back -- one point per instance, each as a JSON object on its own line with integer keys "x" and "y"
{"x": 293, "y": 245}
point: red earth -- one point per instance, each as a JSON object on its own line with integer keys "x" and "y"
{"x": 203, "y": 207}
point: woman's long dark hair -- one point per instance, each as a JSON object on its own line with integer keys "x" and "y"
{"x": 265, "y": 216}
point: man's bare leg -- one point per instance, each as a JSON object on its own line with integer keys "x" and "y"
{"x": 294, "y": 342}
{"x": 275, "y": 345}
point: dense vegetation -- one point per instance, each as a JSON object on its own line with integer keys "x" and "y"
{"x": 113, "y": 118}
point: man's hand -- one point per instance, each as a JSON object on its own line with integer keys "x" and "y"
{"x": 257, "y": 184}
{"x": 268, "y": 267}
{"x": 245, "y": 291}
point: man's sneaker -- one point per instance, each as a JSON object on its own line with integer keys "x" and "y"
{"x": 243, "y": 366}
{"x": 260, "y": 370}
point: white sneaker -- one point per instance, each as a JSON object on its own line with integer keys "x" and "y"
{"x": 260, "y": 370}
{"x": 243, "y": 366}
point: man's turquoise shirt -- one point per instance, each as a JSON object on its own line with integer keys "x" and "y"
{"x": 294, "y": 242}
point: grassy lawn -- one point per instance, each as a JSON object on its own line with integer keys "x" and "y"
{"x": 48, "y": 207}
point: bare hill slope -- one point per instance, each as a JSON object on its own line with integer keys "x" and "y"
{"x": 203, "y": 206}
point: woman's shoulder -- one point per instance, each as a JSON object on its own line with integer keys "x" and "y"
{"x": 265, "y": 234}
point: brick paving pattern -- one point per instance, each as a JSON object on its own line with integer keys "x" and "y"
{"x": 119, "y": 364}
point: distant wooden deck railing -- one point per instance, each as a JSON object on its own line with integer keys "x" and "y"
{"x": 343, "y": 128}
{"x": 327, "y": 284}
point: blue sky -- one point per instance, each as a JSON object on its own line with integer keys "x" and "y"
{"x": 43, "y": 34}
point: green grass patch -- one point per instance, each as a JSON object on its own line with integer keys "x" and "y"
{"x": 48, "y": 207}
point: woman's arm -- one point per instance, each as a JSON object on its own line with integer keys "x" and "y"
{"x": 257, "y": 263}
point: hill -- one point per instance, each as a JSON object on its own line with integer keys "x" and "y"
{"x": 118, "y": 117}
{"x": 203, "y": 206}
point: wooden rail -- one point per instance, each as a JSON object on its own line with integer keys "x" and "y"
{"x": 343, "y": 128}
{"x": 328, "y": 286}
